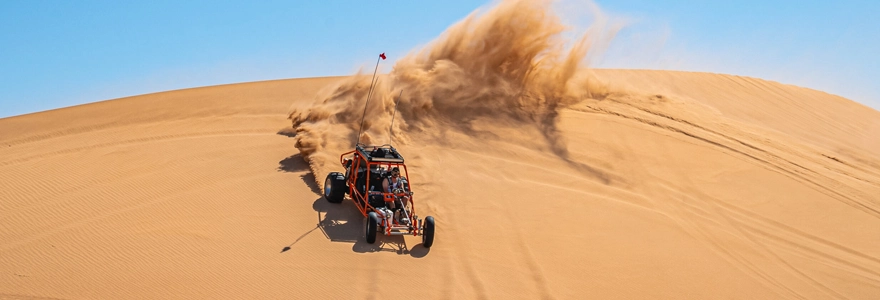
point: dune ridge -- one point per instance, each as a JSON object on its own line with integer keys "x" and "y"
{"x": 200, "y": 196}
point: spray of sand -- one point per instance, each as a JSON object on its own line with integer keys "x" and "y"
{"x": 509, "y": 64}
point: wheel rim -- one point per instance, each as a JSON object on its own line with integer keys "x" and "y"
{"x": 327, "y": 187}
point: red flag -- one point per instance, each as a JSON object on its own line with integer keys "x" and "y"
{"x": 382, "y": 55}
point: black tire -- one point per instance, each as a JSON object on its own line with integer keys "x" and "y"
{"x": 428, "y": 232}
{"x": 334, "y": 187}
{"x": 371, "y": 227}
{"x": 347, "y": 174}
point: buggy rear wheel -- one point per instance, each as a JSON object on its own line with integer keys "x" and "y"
{"x": 334, "y": 187}
{"x": 428, "y": 232}
{"x": 371, "y": 227}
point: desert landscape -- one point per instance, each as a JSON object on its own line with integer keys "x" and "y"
{"x": 547, "y": 178}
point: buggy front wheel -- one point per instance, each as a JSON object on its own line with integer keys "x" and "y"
{"x": 428, "y": 232}
{"x": 371, "y": 227}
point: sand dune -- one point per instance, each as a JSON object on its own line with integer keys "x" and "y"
{"x": 547, "y": 180}
{"x": 193, "y": 193}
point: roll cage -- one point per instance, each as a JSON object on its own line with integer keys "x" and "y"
{"x": 365, "y": 169}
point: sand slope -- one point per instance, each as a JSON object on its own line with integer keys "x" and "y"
{"x": 691, "y": 185}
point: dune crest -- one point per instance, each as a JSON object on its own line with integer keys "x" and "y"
{"x": 721, "y": 186}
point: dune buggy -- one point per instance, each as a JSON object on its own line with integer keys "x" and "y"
{"x": 368, "y": 171}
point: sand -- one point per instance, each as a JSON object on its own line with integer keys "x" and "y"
{"x": 547, "y": 179}
{"x": 721, "y": 187}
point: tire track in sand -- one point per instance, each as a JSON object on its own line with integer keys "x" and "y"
{"x": 774, "y": 162}
{"x": 768, "y": 236}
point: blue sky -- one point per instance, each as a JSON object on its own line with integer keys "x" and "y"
{"x": 61, "y": 53}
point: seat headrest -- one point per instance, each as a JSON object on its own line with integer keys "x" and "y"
{"x": 378, "y": 152}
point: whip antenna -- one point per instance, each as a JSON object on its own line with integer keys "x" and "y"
{"x": 369, "y": 94}
{"x": 391, "y": 128}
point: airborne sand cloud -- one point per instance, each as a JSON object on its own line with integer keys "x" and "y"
{"x": 509, "y": 64}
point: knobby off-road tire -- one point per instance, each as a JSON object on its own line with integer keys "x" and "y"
{"x": 371, "y": 227}
{"x": 428, "y": 232}
{"x": 334, "y": 187}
